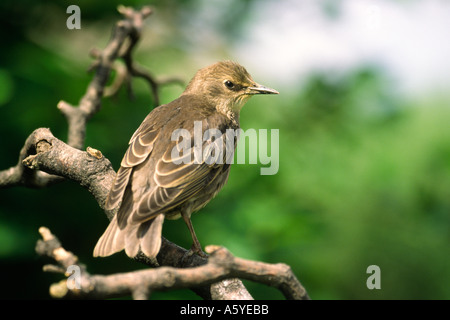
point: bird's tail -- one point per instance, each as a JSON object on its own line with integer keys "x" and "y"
{"x": 149, "y": 236}
{"x": 111, "y": 241}
{"x": 145, "y": 236}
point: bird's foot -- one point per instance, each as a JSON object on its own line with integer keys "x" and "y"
{"x": 194, "y": 250}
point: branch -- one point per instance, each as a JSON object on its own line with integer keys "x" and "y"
{"x": 20, "y": 174}
{"x": 89, "y": 168}
{"x": 90, "y": 103}
{"x": 132, "y": 69}
{"x": 140, "y": 284}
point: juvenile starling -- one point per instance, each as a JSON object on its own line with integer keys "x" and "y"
{"x": 153, "y": 183}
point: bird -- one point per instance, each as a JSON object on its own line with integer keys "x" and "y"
{"x": 153, "y": 184}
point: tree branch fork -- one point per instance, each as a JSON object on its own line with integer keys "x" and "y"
{"x": 45, "y": 160}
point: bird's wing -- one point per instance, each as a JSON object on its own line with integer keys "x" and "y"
{"x": 176, "y": 183}
{"x": 140, "y": 147}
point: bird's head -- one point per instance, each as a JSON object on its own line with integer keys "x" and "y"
{"x": 225, "y": 85}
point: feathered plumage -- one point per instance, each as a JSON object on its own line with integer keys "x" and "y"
{"x": 153, "y": 183}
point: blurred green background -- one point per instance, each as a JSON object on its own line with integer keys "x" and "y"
{"x": 364, "y": 175}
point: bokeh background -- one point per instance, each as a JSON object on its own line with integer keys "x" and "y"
{"x": 363, "y": 116}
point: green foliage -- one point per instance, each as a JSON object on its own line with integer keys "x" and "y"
{"x": 363, "y": 177}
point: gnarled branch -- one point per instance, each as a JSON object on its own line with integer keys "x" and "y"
{"x": 140, "y": 284}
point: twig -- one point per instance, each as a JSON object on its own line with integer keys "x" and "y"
{"x": 90, "y": 103}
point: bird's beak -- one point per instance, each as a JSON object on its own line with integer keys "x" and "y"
{"x": 259, "y": 89}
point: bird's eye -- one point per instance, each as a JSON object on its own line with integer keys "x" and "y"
{"x": 229, "y": 84}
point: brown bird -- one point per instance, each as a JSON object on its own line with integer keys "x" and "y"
{"x": 155, "y": 182}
